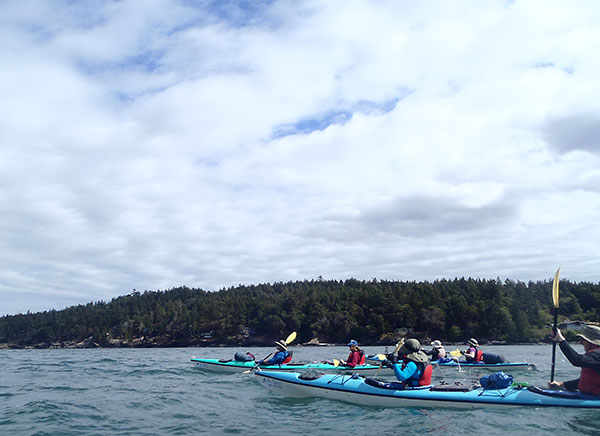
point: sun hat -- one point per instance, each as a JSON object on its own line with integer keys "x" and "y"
{"x": 436, "y": 344}
{"x": 591, "y": 333}
{"x": 473, "y": 342}
{"x": 281, "y": 344}
{"x": 353, "y": 342}
{"x": 412, "y": 349}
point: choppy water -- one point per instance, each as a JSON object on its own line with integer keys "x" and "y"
{"x": 160, "y": 392}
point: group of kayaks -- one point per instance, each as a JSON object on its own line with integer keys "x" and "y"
{"x": 370, "y": 368}
{"x": 360, "y": 385}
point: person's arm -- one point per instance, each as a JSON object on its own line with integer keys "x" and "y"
{"x": 585, "y": 360}
{"x": 407, "y": 372}
{"x": 570, "y": 385}
{"x": 570, "y": 353}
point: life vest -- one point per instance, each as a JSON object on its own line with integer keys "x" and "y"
{"x": 361, "y": 360}
{"x": 421, "y": 377}
{"x": 288, "y": 357}
{"x": 438, "y": 353}
{"x": 589, "y": 380}
{"x": 478, "y": 356}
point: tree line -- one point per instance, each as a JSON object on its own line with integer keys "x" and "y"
{"x": 331, "y": 310}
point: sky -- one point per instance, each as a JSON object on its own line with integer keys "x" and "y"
{"x": 146, "y": 145}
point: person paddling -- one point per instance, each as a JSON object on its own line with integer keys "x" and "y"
{"x": 356, "y": 356}
{"x": 281, "y": 357}
{"x": 473, "y": 354}
{"x": 589, "y": 362}
{"x": 413, "y": 367}
{"x": 438, "y": 351}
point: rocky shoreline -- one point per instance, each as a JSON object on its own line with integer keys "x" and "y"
{"x": 168, "y": 343}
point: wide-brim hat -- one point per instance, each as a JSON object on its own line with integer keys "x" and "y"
{"x": 591, "y": 333}
{"x": 415, "y": 356}
{"x": 281, "y": 344}
{"x": 473, "y": 342}
{"x": 412, "y": 350}
{"x": 436, "y": 344}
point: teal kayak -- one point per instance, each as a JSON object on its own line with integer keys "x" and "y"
{"x": 364, "y": 391}
{"x": 233, "y": 366}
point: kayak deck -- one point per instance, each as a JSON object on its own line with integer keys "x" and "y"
{"x": 355, "y": 389}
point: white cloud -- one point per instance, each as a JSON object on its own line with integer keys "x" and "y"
{"x": 153, "y": 145}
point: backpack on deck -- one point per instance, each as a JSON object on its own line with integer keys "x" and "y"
{"x": 497, "y": 380}
{"x": 243, "y": 357}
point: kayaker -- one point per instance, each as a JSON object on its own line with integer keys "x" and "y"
{"x": 413, "y": 367}
{"x": 438, "y": 351}
{"x": 356, "y": 357}
{"x": 589, "y": 362}
{"x": 473, "y": 354}
{"x": 281, "y": 357}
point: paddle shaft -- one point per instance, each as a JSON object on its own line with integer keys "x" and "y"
{"x": 554, "y": 329}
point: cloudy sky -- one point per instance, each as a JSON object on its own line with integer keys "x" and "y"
{"x": 158, "y": 143}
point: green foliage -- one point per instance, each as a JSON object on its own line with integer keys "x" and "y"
{"x": 333, "y": 311}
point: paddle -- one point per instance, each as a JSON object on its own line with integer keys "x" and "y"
{"x": 398, "y": 345}
{"x": 555, "y": 327}
{"x": 457, "y": 353}
{"x": 287, "y": 341}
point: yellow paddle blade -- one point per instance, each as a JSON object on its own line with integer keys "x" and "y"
{"x": 290, "y": 338}
{"x": 456, "y": 353}
{"x": 555, "y": 288}
{"x": 381, "y": 356}
{"x": 336, "y": 362}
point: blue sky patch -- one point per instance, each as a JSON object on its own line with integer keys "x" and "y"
{"x": 310, "y": 124}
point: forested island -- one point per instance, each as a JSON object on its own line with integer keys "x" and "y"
{"x": 372, "y": 312}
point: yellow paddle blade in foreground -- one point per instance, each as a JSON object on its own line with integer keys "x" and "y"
{"x": 555, "y": 288}
{"x": 336, "y": 362}
{"x": 456, "y": 353}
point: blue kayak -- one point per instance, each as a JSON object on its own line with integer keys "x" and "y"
{"x": 359, "y": 390}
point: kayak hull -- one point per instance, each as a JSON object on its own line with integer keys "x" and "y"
{"x": 354, "y": 389}
{"x": 232, "y": 366}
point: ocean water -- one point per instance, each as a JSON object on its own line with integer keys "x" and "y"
{"x": 161, "y": 392}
